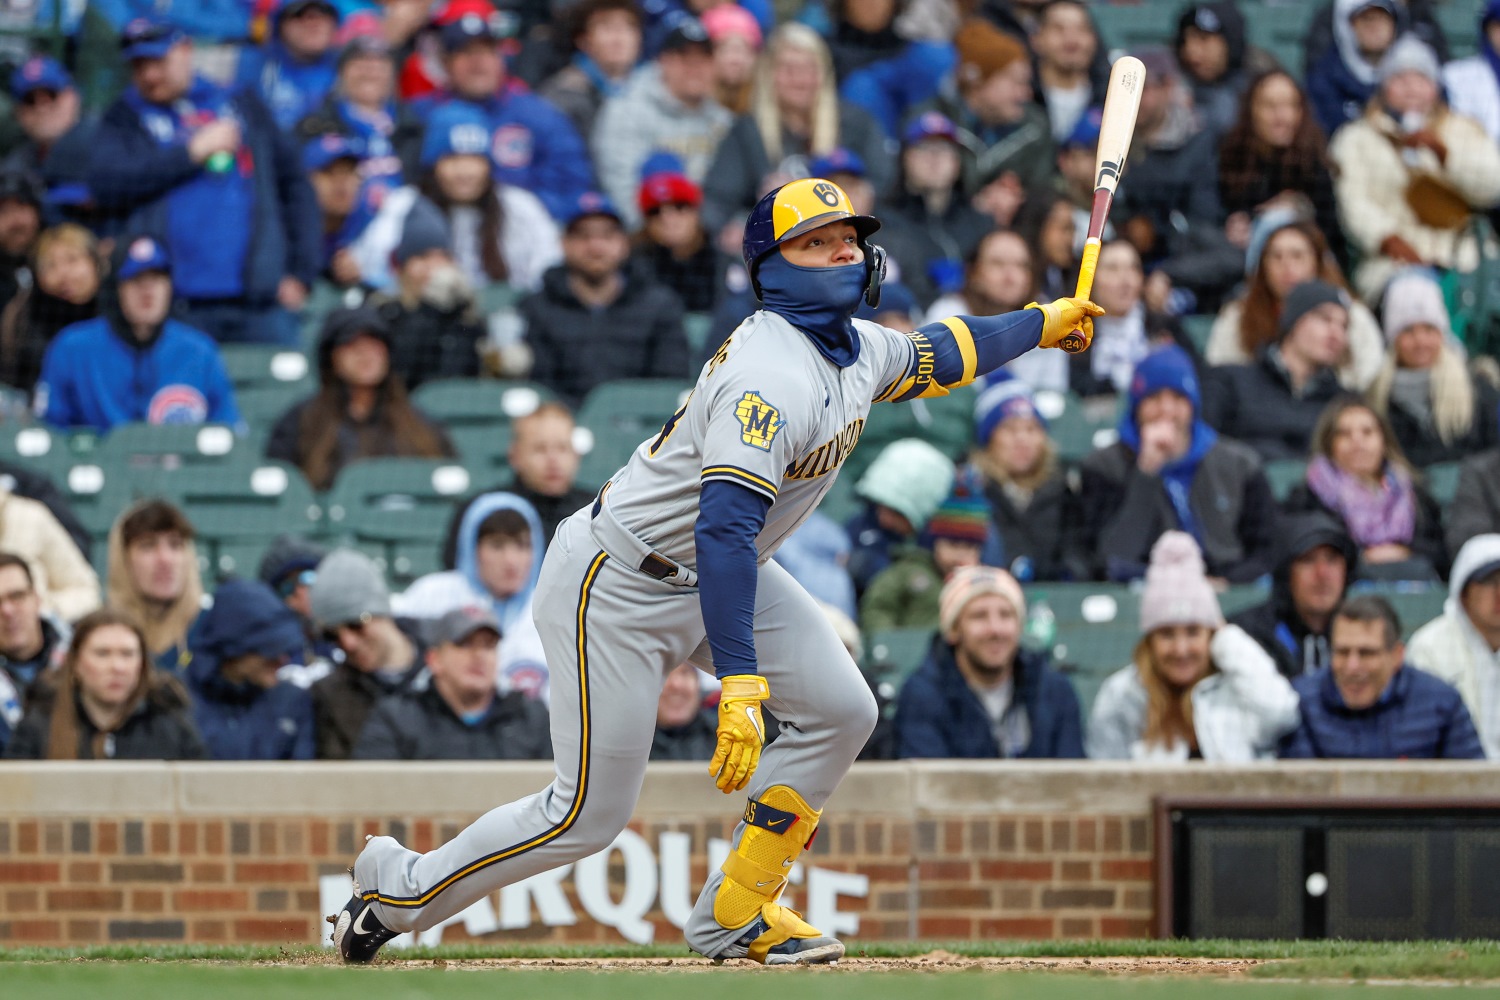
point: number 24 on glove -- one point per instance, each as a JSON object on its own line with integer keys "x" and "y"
{"x": 742, "y": 733}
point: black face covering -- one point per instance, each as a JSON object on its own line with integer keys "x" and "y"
{"x": 819, "y": 301}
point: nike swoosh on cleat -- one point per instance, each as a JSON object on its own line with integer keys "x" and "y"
{"x": 358, "y": 927}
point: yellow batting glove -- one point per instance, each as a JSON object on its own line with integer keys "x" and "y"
{"x": 741, "y": 731}
{"x": 1062, "y": 317}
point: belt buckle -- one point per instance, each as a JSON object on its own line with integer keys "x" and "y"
{"x": 655, "y": 566}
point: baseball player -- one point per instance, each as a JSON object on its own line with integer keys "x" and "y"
{"x": 673, "y": 562}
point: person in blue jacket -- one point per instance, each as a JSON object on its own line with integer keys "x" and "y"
{"x": 535, "y": 146}
{"x": 294, "y": 70}
{"x": 207, "y": 169}
{"x": 1372, "y": 704}
{"x": 980, "y": 695}
{"x": 1343, "y": 79}
{"x": 133, "y": 363}
{"x": 243, "y": 712}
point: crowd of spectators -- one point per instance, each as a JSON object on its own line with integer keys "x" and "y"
{"x": 420, "y": 191}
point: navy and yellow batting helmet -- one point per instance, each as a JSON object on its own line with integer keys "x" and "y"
{"x": 799, "y": 206}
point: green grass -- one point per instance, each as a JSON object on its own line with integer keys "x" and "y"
{"x": 1322, "y": 960}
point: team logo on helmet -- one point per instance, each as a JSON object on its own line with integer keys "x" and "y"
{"x": 760, "y": 422}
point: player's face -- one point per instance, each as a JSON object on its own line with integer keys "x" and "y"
{"x": 833, "y": 245}
{"x": 1276, "y": 111}
{"x": 337, "y": 188}
{"x": 988, "y": 634}
{"x": 475, "y": 71}
{"x": 1418, "y": 346}
{"x": 145, "y": 300}
{"x": 109, "y": 665}
{"x": 613, "y": 40}
{"x": 1316, "y": 581}
{"x": 1358, "y": 445}
{"x": 1181, "y": 653}
{"x": 158, "y": 566}
{"x": 20, "y": 615}
{"x": 504, "y": 564}
{"x": 543, "y": 456}
{"x": 467, "y": 668}
{"x": 1481, "y": 600}
{"x": 1289, "y": 260}
{"x": 680, "y": 698}
{"x": 1362, "y": 665}
{"x": 1018, "y": 445}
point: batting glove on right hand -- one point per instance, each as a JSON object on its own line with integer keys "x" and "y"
{"x": 742, "y": 733}
{"x": 1061, "y": 317}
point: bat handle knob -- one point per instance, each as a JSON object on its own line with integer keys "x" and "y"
{"x": 1072, "y": 343}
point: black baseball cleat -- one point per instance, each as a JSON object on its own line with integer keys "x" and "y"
{"x": 357, "y": 932}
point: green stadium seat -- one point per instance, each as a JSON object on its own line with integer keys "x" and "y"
{"x": 261, "y": 364}
{"x": 841, "y": 502}
{"x": 945, "y": 422}
{"x": 1085, "y": 603}
{"x": 1076, "y": 426}
{"x": 640, "y": 406}
{"x": 497, "y": 296}
{"x": 609, "y": 448}
{"x": 1198, "y": 329}
{"x": 469, "y": 402}
{"x": 44, "y": 450}
{"x": 410, "y": 560}
{"x": 1459, "y": 20}
{"x": 1415, "y": 604}
{"x": 1442, "y": 481}
{"x": 262, "y": 405}
{"x": 1238, "y": 598}
{"x": 1285, "y": 474}
{"x": 894, "y": 655}
{"x": 697, "y": 327}
{"x": 390, "y": 500}
{"x": 483, "y": 450}
{"x": 1132, "y": 26}
{"x": 169, "y": 446}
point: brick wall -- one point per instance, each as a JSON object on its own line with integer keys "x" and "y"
{"x": 967, "y": 851}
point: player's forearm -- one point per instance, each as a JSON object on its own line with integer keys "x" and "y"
{"x": 730, "y": 518}
{"x": 955, "y": 351}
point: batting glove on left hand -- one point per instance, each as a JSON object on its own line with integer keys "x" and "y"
{"x": 742, "y": 733}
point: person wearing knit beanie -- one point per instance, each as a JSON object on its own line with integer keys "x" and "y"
{"x": 1412, "y": 299}
{"x": 1177, "y": 590}
{"x": 905, "y": 593}
{"x": 1006, "y": 397}
{"x": 979, "y": 694}
{"x": 902, "y": 487}
{"x": 983, "y": 51}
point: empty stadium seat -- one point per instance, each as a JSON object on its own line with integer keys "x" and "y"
{"x": 470, "y": 402}
{"x": 893, "y": 655}
{"x": 396, "y": 506}
{"x": 945, "y": 422}
{"x": 1285, "y": 474}
{"x": 1076, "y": 426}
{"x": 262, "y": 364}
{"x": 1442, "y": 481}
{"x": 640, "y": 405}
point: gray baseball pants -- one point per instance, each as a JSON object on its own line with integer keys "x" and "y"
{"x": 611, "y": 634}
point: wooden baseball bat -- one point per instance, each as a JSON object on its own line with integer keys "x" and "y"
{"x": 1116, "y": 126}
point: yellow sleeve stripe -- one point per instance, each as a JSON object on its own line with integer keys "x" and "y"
{"x": 740, "y": 475}
{"x": 964, "y": 338}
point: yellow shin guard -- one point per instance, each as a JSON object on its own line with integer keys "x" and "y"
{"x": 778, "y": 827}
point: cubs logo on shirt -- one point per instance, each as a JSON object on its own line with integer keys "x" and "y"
{"x": 177, "y": 404}
{"x": 513, "y": 146}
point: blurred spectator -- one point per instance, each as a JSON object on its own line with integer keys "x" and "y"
{"x": 362, "y": 107}
{"x": 1272, "y": 149}
{"x": 900, "y": 490}
{"x": 795, "y": 117}
{"x": 737, "y": 39}
{"x": 673, "y": 247}
{"x": 1371, "y": 704}
{"x": 1273, "y": 402}
{"x": 1128, "y": 331}
{"x": 65, "y": 583}
{"x": 1197, "y": 689}
{"x": 108, "y": 702}
{"x": 1285, "y": 250}
{"x": 685, "y": 730}
{"x": 980, "y": 695}
{"x": 345, "y": 204}
{"x": 210, "y": 173}
{"x": 598, "y": 318}
{"x": 1359, "y": 475}
{"x": 289, "y": 567}
{"x": 1462, "y": 645}
{"x": 905, "y": 593}
{"x": 434, "y": 319}
{"x": 928, "y": 227}
{"x": 1066, "y": 43}
{"x": 1475, "y": 507}
{"x": 241, "y": 709}
{"x": 534, "y": 145}
{"x": 33, "y": 485}
{"x": 605, "y": 36}
{"x": 1214, "y": 53}
{"x": 1411, "y": 174}
{"x": 499, "y": 553}
{"x": 64, "y": 291}
{"x": 1473, "y": 84}
{"x": 21, "y": 198}
{"x": 1077, "y": 155}
{"x": 1437, "y": 409}
{"x": 1343, "y": 79}
{"x": 992, "y": 100}
{"x": 1176, "y": 219}
{"x": 664, "y": 15}
{"x": 847, "y": 170}
{"x": 134, "y": 363}
{"x": 669, "y": 106}
{"x": 545, "y": 463}
{"x": 49, "y": 111}
{"x": 31, "y": 643}
{"x": 1000, "y": 276}
{"x": 458, "y": 716}
{"x": 361, "y": 409}
{"x": 1026, "y": 487}
{"x": 294, "y": 69}
{"x": 380, "y": 655}
{"x": 898, "y": 54}
{"x": 153, "y": 578}
{"x": 817, "y": 556}
{"x": 897, "y": 310}
{"x": 1171, "y": 472}
{"x": 501, "y": 233}
{"x": 1049, "y": 226}
{"x": 1314, "y": 567}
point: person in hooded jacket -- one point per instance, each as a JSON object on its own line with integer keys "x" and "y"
{"x": 67, "y": 276}
{"x": 1314, "y": 567}
{"x": 361, "y": 409}
{"x": 153, "y": 577}
{"x": 1342, "y": 80}
{"x": 242, "y": 710}
{"x": 1473, "y": 84}
{"x": 295, "y": 68}
{"x": 134, "y": 363}
{"x": 1216, "y": 59}
{"x": 289, "y": 567}
{"x": 108, "y": 702}
{"x": 1171, "y": 471}
{"x": 1475, "y": 507}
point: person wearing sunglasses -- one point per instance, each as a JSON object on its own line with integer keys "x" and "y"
{"x": 376, "y": 654}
